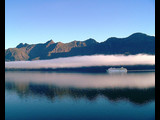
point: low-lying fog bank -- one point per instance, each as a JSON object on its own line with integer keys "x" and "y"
{"x": 84, "y": 61}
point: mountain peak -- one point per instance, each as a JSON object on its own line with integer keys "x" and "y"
{"x": 21, "y": 45}
{"x": 48, "y": 43}
{"x": 90, "y": 41}
{"x": 137, "y": 43}
{"x": 138, "y": 34}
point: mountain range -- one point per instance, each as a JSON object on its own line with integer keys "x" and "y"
{"x": 134, "y": 44}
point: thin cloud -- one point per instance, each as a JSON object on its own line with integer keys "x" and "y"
{"x": 85, "y": 61}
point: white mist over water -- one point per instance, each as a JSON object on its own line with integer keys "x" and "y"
{"x": 85, "y": 61}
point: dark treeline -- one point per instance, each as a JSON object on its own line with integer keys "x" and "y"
{"x": 90, "y": 69}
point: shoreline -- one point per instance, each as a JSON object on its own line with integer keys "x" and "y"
{"x": 92, "y": 69}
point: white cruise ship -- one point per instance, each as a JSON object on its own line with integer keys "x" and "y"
{"x": 117, "y": 70}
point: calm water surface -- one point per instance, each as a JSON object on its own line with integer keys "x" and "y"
{"x": 79, "y": 96}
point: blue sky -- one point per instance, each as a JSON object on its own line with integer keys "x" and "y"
{"x": 37, "y": 21}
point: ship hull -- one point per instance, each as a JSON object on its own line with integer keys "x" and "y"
{"x": 116, "y": 70}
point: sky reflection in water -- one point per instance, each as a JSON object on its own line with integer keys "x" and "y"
{"x": 77, "y": 95}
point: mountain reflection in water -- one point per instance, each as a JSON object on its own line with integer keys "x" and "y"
{"x": 138, "y": 88}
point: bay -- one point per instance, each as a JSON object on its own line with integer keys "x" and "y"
{"x": 31, "y": 95}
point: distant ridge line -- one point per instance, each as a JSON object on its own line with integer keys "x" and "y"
{"x": 137, "y": 43}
